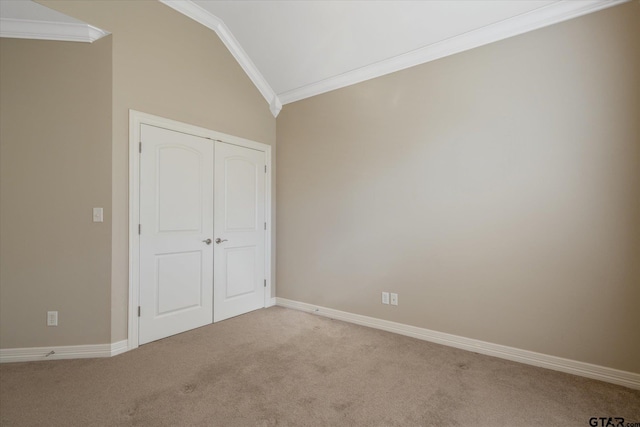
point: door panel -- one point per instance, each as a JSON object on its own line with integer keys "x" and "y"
{"x": 179, "y": 189}
{"x": 183, "y": 268}
{"x": 176, "y": 216}
{"x": 239, "y": 223}
{"x": 240, "y": 195}
{"x": 240, "y": 268}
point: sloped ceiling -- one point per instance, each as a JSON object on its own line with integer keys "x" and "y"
{"x": 26, "y": 19}
{"x": 298, "y": 43}
{"x": 296, "y": 49}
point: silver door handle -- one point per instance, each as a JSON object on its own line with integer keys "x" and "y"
{"x": 208, "y": 241}
{"x": 219, "y": 240}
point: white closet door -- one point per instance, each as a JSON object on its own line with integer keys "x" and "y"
{"x": 176, "y": 217}
{"x": 239, "y": 211}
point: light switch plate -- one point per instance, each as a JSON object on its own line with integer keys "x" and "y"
{"x": 52, "y": 318}
{"x": 385, "y": 297}
{"x": 394, "y": 298}
{"x": 98, "y": 215}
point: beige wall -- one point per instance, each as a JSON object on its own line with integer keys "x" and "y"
{"x": 497, "y": 191}
{"x": 163, "y": 64}
{"x": 168, "y": 65}
{"x": 55, "y": 166}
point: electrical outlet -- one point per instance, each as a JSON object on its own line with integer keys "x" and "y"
{"x": 52, "y": 318}
{"x": 394, "y": 299}
{"x": 385, "y": 297}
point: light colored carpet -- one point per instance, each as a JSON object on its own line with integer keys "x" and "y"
{"x": 288, "y": 368}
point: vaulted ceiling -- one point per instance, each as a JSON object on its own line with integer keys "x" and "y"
{"x": 29, "y": 20}
{"x": 295, "y": 49}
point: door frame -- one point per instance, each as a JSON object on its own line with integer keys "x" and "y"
{"x": 136, "y": 119}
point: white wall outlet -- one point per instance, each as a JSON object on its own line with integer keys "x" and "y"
{"x": 385, "y": 297}
{"x": 52, "y": 318}
{"x": 98, "y": 215}
{"x": 394, "y": 299}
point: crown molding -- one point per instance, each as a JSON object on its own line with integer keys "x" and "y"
{"x": 46, "y": 30}
{"x": 533, "y": 20}
{"x": 204, "y": 17}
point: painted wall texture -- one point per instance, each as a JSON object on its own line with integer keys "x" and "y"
{"x": 168, "y": 65}
{"x": 162, "y": 63}
{"x": 55, "y": 166}
{"x": 497, "y": 191}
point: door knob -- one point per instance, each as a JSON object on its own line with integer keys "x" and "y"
{"x": 219, "y": 240}
{"x": 208, "y": 241}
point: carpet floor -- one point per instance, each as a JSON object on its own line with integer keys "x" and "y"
{"x": 280, "y": 367}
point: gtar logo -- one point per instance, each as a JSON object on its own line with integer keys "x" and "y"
{"x": 606, "y": 422}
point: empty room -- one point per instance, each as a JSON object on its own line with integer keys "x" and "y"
{"x": 320, "y": 213}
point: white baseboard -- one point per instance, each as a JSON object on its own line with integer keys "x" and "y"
{"x": 610, "y": 375}
{"x": 62, "y": 352}
{"x": 271, "y": 302}
{"x": 119, "y": 347}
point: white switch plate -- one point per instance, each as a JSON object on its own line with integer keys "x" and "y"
{"x": 385, "y": 297}
{"x": 52, "y": 318}
{"x": 98, "y": 215}
{"x": 394, "y": 299}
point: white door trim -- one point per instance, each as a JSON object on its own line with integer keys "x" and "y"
{"x": 137, "y": 118}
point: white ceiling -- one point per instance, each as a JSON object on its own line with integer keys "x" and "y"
{"x": 26, "y": 19}
{"x": 28, "y": 10}
{"x": 295, "y": 49}
{"x": 297, "y": 43}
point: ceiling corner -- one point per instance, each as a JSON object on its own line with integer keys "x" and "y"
{"x": 275, "y": 106}
{"x": 49, "y": 30}
{"x": 204, "y": 17}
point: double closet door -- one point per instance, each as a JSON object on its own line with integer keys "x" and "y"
{"x": 202, "y": 232}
